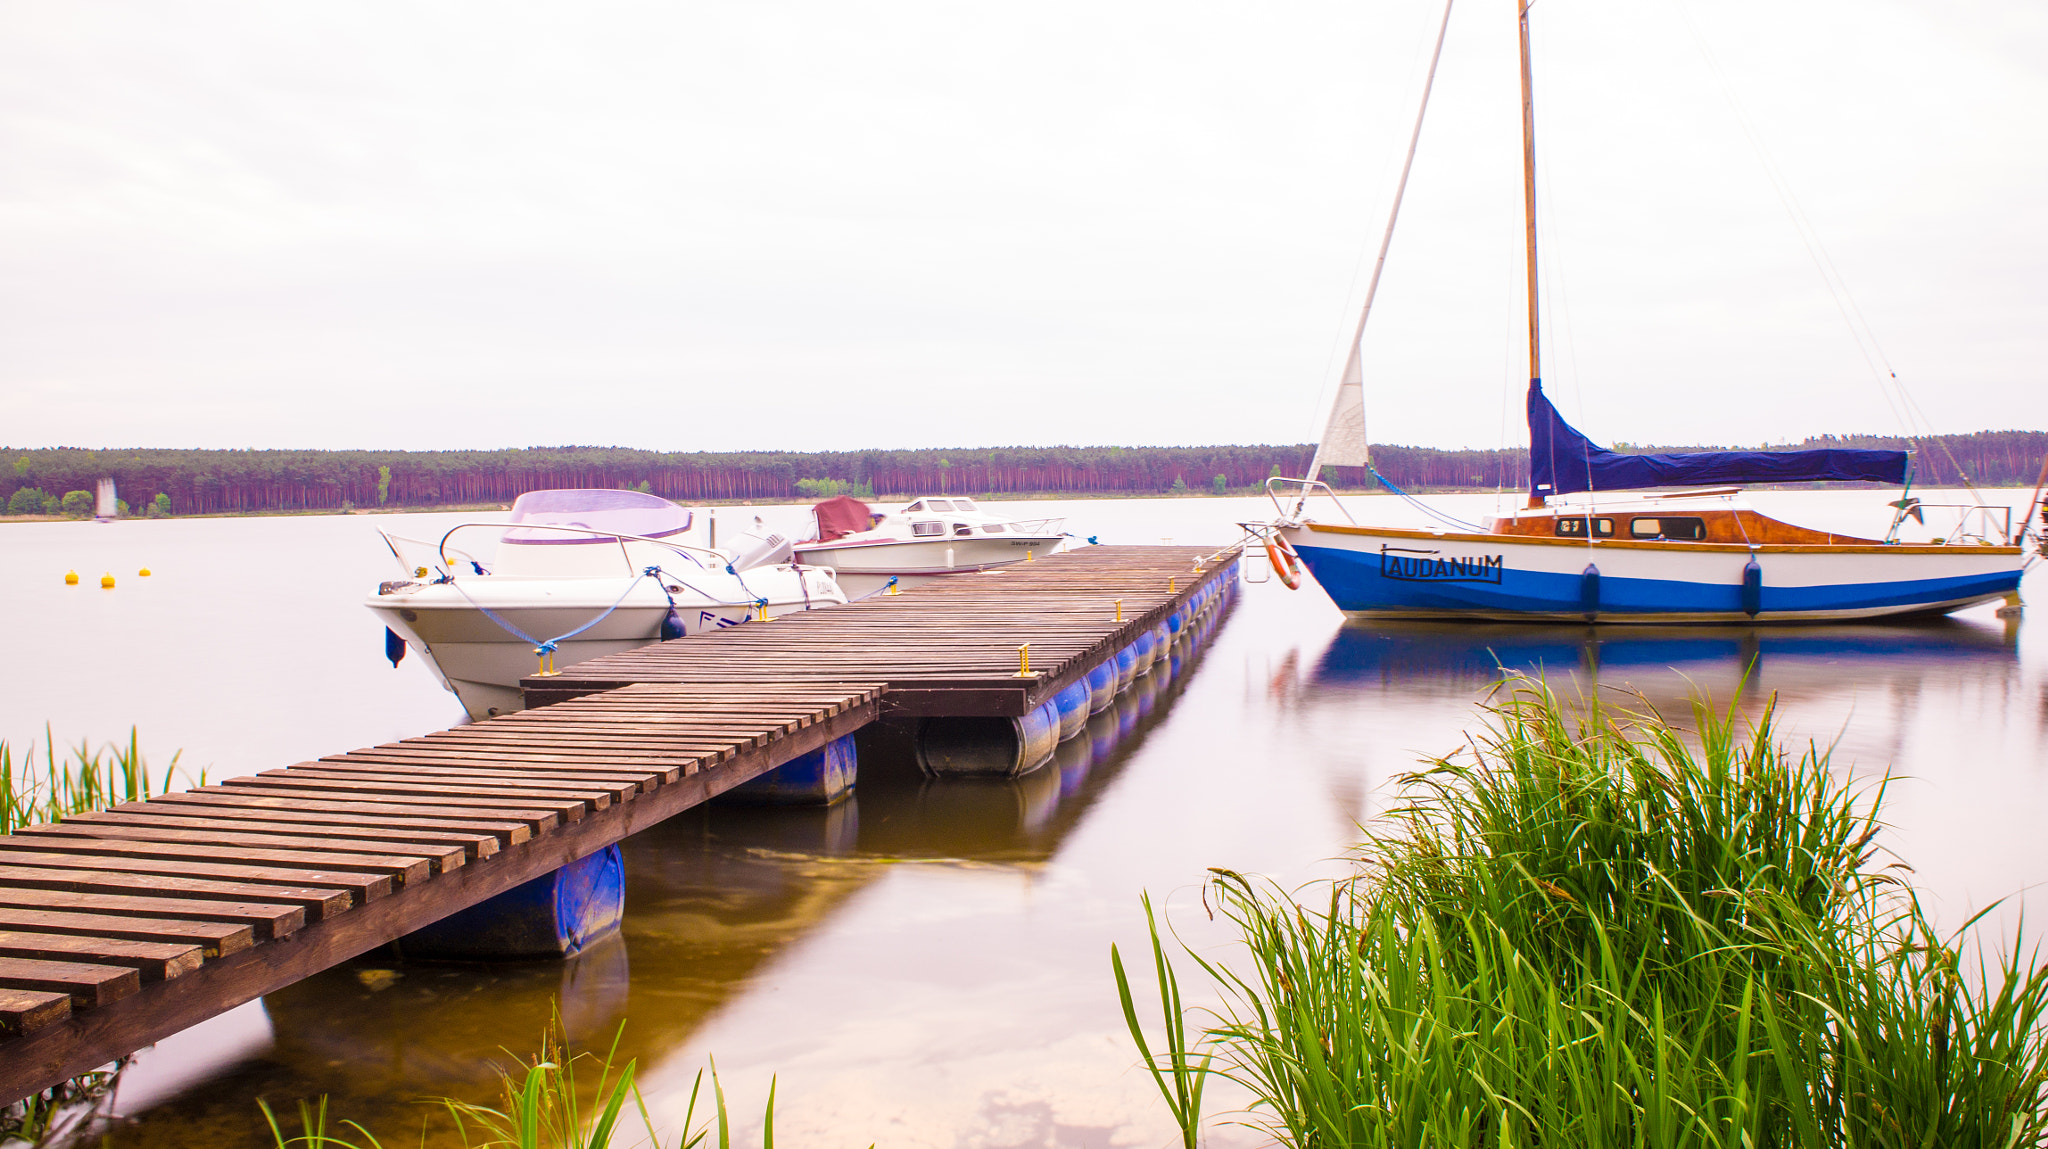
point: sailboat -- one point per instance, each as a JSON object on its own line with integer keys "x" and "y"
{"x": 1650, "y": 538}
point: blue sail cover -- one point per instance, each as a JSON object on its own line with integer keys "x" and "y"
{"x": 1562, "y": 461}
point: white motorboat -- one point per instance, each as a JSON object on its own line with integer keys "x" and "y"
{"x": 574, "y": 575}
{"x": 929, "y": 538}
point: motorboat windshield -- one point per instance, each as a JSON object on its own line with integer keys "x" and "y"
{"x": 610, "y": 512}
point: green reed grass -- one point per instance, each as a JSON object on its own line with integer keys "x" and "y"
{"x": 543, "y": 1105}
{"x": 46, "y": 788}
{"x": 1591, "y": 930}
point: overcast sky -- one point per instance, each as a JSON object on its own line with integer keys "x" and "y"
{"x": 837, "y": 225}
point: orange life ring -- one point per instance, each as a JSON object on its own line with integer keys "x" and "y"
{"x": 1285, "y": 562}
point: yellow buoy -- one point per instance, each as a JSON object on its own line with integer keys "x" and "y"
{"x": 107, "y": 581}
{"x": 70, "y": 578}
{"x": 144, "y": 572}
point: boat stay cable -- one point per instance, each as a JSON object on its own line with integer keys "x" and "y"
{"x": 1904, "y": 407}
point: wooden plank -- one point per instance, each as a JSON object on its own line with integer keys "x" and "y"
{"x": 269, "y": 920}
{"x": 479, "y": 838}
{"x": 212, "y": 938}
{"x": 318, "y": 902}
{"x": 363, "y": 887}
{"x": 451, "y": 778}
{"x": 334, "y": 851}
{"x": 402, "y": 869}
{"x": 89, "y": 985}
{"x": 22, "y": 1010}
{"x": 286, "y": 786}
{"x": 218, "y": 804}
{"x": 155, "y": 960}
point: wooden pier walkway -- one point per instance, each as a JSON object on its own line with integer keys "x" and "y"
{"x": 122, "y": 927}
{"x": 945, "y": 648}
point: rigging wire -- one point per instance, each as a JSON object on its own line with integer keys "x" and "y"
{"x": 1903, "y": 407}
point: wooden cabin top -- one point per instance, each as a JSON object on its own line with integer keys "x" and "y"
{"x": 1639, "y": 523}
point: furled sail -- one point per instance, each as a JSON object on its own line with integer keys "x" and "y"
{"x": 1562, "y": 461}
{"x": 1343, "y": 443}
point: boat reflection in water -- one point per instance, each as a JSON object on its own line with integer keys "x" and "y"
{"x": 1666, "y": 665}
{"x": 713, "y": 897}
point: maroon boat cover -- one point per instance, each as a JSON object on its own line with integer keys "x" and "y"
{"x": 842, "y": 516}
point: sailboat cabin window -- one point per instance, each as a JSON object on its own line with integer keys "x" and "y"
{"x": 1575, "y": 528}
{"x": 963, "y": 504}
{"x": 992, "y": 528}
{"x": 914, "y": 508}
{"x": 927, "y": 528}
{"x": 1692, "y": 530}
{"x": 939, "y": 504}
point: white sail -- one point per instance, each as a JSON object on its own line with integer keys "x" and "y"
{"x": 1343, "y": 442}
{"x": 106, "y": 507}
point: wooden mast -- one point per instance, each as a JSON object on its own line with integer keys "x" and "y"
{"x": 1529, "y": 211}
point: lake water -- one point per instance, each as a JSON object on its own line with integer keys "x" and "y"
{"x": 928, "y": 964}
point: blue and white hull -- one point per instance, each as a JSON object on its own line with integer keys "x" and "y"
{"x": 1375, "y": 572}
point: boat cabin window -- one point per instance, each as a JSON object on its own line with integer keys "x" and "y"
{"x": 963, "y": 504}
{"x": 927, "y": 528}
{"x": 939, "y": 504}
{"x": 1575, "y": 528}
{"x": 992, "y": 528}
{"x": 1692, "y": 529}
{"x": 914, "y": 507}
{"x": 963, "y": 528}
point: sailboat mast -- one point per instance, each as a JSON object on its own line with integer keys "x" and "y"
{"x": 1529, "y": 210}
{"x": 1529, "y": 192}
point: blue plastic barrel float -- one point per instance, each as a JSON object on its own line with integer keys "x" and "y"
{"x": 1126, "y": 667}
{"x": 1144, "y": 646}
{"x": 988, "y": 747}
{"x": 553, "y": 916}
{"x": 822, "y": 777}
{"x": 1072, "y": 704}
{"x": 1101, "y": 685}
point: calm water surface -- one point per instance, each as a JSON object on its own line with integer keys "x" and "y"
{"x": 927, "y": 964}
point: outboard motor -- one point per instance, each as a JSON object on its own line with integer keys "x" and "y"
{"x": 755, "y": 549}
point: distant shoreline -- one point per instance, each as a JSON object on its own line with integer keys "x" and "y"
{"x": 1039, "y": 497}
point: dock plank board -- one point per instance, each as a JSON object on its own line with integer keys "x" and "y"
{"x": 268, "y": 920}
{"x": 212, "y": 938}
{"x": 154, "y": 960}
{"x": 89, "y": 985}
{"x": 22, "y": 1010}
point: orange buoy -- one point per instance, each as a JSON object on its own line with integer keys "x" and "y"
{"x": 144, "y": 572}
{"x": 107, "y": 581}
{"x": 70, "y": 578}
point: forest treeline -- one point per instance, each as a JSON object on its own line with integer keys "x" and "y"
{"x": 210, "y": 482}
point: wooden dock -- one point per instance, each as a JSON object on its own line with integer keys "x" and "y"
{"x": 120, "y": 928}
{"x": 944, "y": 648}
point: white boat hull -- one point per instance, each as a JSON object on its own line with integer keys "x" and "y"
{"x": 1391, "y": 573}
{"x": 867, "y": 566}
{"x": 482, "y": 659}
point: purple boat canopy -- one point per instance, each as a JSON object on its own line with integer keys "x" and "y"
{"x": 624, "y": 512}
{"x": 1562, "y": 461}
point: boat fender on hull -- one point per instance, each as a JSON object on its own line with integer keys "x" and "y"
{"x": 1752, "y": 588}
{"x": 1589, "y": 592}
